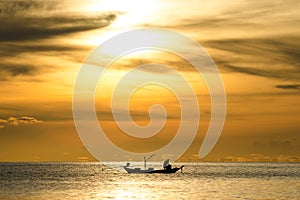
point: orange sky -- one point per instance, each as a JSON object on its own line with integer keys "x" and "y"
{"x": 254, "y": 44}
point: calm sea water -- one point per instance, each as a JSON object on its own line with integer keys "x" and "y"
{"x": 198, "y": 181}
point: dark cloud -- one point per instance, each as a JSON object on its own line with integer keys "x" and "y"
{"x": 249, "y": 15}
{"x": 41, "y": 27}
{"x": 18, "y": 121}
{"x": 160, "y": 64}
{"x": 15, "y": 70}
{"x": 289, "y": 86}
{"x": 32, "y": 20}
{"x": 24, "y": 69}
{"x": 276, "y": 57}
{"x": 273, "y": 58}
{"x": 28, "y": 27}
{"x": 263, "y": 71}
{"x": 281, "y": 49}
{"x": 9, "y": 49}
{"x": 21, "y": 7}
{"x": 12, "y": 70}
{"x": 258, "y": 38}
{"x": 13, "y": 60}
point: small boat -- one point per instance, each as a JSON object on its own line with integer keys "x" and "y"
{"x": 167, "y": 168}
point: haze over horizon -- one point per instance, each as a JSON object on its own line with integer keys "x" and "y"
{"x": 255, "y": 45}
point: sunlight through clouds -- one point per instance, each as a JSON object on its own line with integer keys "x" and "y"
{"x": 255, "y": 45}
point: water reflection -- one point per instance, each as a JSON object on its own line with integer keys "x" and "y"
{"x": 199, "y": 181}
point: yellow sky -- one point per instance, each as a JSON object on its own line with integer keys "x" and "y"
{"x": 254, "y": 44}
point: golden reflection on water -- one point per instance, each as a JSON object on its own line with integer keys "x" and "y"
{"x": 232, "y": 181}
{"x": 121, "y": 194}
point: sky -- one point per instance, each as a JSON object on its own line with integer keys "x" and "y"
{"x": 255, "y": 45}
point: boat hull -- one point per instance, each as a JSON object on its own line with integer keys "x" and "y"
{"x": 163, "y": 171}
{"x": 137, "y": 170}
{"x": 152, "y": 171}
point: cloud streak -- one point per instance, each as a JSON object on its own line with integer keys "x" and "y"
{"x": 16, "y": 59}
{"x": 40, "y": 29}
{"x": 258, "y": 38}
{"x": 32, "y": 20}
{"x": 273, "y": 58}
{"x": 289, "y": 86}
{"x": 18, "y": 121}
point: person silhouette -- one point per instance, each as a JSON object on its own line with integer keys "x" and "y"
{"x": 167, "y": 166}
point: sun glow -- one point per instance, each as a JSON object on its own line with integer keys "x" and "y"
{"x": 133, "y": 12}
{"x": 130, "y": 14}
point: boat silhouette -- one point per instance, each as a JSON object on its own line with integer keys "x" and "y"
{"x": 167, "y": 168}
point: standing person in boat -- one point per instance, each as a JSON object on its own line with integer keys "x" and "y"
{"x": 167, "y": 166}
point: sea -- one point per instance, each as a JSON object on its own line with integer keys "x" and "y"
{"x": 94, "y": 180}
